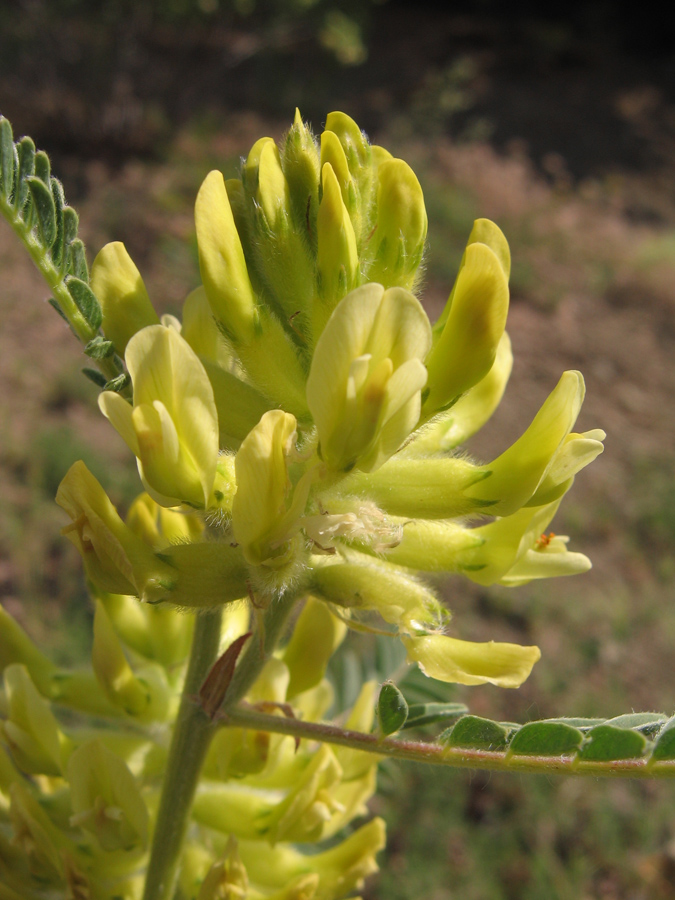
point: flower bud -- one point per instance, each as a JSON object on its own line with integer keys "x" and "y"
{"x": 261, "y": 508}
{"x": 362, "y": 583}
{"x": 300, "y": 162}
{"x": 105, "y": 798}
{"x": 401, "y": 226}
{"x": 333, "y": 154}
{"x": 173, "y": 426}
{"x": 221, "y": 260}
{"x": 466, "y": 349}
{"x": 337, "y": 257}
{"x": 483, "y": 232}
{"x": 366, "y": 377}
{"x": 316, "y": 636}
{"x": 358, "y": 154}
{"x": 30, "y": 730}
{"x": 114, "y": 558}
{"x": 281, "y": 252}
{"x": 119, "y": 288}
{"x": 464, "y": 662}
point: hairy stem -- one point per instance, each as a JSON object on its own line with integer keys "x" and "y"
{"x": 417, "y": 751}
{"x": 191, "y": 737}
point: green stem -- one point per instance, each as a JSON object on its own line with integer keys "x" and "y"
{"x": 438, "y": 754}
{"x": 191, "y": 737}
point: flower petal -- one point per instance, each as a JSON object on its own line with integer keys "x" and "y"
{"x": 464, "y": 662}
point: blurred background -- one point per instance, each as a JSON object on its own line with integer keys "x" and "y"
{"x": 559, "y": 124}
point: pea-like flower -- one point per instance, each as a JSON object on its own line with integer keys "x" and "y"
{"x": 364, "y": 387}
{"x": 172, "y": 428}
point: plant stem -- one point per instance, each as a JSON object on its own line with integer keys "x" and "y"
{"x": 457, "y": 757}
{"x": 191, "y": 737}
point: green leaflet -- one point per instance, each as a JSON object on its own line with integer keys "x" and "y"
{"x": 26, "y": 153}
{"x": 70, "y": 225}
{"x": 476, "y": 733}
{"x": 392, "y": 709}
{"x": 546, "y": 739}
{"x": 58, "y": 245}
{"x": 99, "y": 348}
{"x": 95, "y": 377}
{"x": 633, "y": 736}
{"x": 43, "y": 169}
{"x": 43, "y": 202}
{"x": 77, "y": 260}
{"x": 664, "y": 748}
{"x": 86, "y": 301}
{"x": 606, "y": 743}
{"x": 6, "y": 158}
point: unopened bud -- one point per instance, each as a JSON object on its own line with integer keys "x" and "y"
{"x": 401, "y": 226}
{"x": 466, "y": 349}
{"x": 337, "y": 257}
{"x": 221, "y": 260}
{"x": 120, "y": 290}
{"x": 300, "y": 162}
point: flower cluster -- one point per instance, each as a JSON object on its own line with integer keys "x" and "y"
{"x": 309, "y": 413}
{"x": 78, "y": 802}
{"x": 296, "y": 433}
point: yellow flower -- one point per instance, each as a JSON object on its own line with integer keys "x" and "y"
{"x": 173, "y": 426}
{"x": 124, "y": 300}
{"x": 261, "y": 511}
{"x": 463, "y": 662}
{"x": 367, "y": 375}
